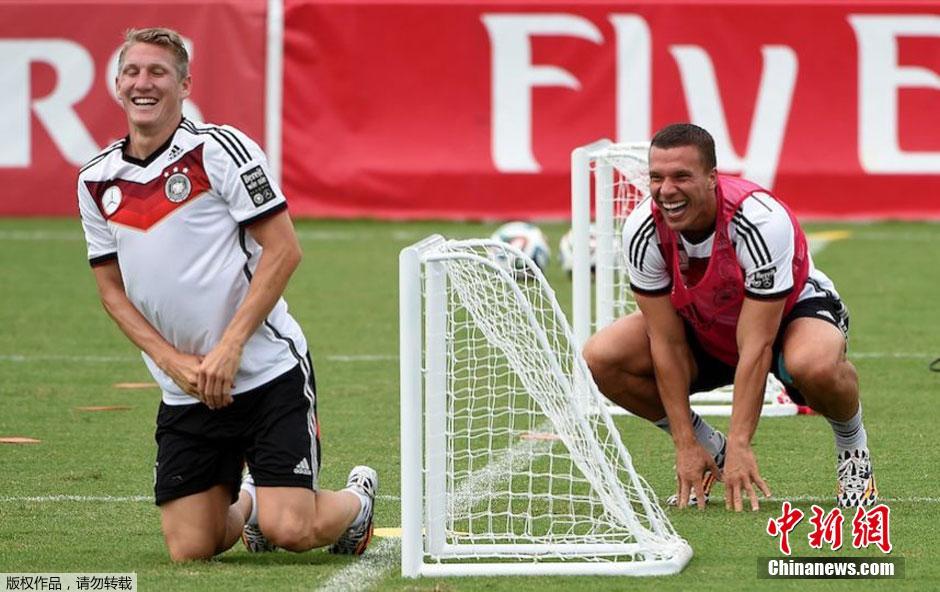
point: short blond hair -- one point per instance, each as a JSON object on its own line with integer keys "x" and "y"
{"x": 165, "y": 38}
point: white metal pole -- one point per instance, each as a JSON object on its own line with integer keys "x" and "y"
{"x": 580, "y": 242}
{"x": 435, "y": 404}
{"x": 274, "y": 85}
{"x": 604, "y": 253}
{"x": 409, "y": 314}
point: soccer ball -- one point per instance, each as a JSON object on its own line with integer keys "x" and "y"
{"x": 528, "y": 239}
{"x": 566, "y": 250}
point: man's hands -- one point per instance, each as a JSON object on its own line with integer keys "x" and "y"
{"x": 741, "y": 476}
{"x": 209, "y": 378}
{"x": 184, "y": 370}
{"x": 691, "y": 464}
{"x": 217, "y": 374}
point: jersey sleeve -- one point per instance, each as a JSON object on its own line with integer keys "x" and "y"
{"x": 239, "y": 169}
{"x": 762, "y": 234}
{"x": 101, "y": 243}
{"x": 644, "y": 260}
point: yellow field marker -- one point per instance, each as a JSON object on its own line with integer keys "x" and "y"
{"x": 829, "y": 235}
{"x": 388, "y": 532}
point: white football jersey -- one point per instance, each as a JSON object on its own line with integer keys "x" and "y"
{"x": 762, "y": 235}
{"x": 176, "y": 223}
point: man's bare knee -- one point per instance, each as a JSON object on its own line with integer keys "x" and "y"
{"x": 190, "y": 549}
{"x": 293, "y": 536}
{"x": 593, "y": 353}
{"x": 812, "y": 373}
{"x": 296, "y": 531}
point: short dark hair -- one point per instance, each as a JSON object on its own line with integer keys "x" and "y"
{"x": 687, "y": 134}
{"x": 165, "y": 38}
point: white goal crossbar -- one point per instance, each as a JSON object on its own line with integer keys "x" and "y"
{"x": 510, "y": 462}
{"x": 610, "y": 179}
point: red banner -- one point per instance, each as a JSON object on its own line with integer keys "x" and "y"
{"x": 433, "y": 109}
{"x": 57, "y": 107}
{"x": 471, "y": 111}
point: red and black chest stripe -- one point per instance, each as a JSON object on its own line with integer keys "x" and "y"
{"x": 141, "y": 205}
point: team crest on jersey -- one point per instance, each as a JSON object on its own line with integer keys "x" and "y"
{"x": 111, "y": 200}
{"x": 178, "y": 186}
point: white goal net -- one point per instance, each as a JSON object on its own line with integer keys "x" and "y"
{"x": 610, "y": 180}
{"x": 511, "y": 463}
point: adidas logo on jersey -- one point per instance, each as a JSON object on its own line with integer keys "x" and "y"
{"x": 303, "y": 468}
{"x": 174, "y": 152}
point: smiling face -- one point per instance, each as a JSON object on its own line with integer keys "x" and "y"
{"x": 684, "y": 190}
{"x": 151, "y": 90}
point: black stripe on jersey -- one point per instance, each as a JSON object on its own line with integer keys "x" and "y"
{"x": 640, "y": 242}
{"x": 102, "y": 155}
{"x": 235, "y": 141}
{"x": 102, "y": 259}
{"x": 758, "y": 200}
{"x": 290, "y": 345}
{"x": 660, "y": 292}
{"x": 224, "y": 140}
{"x": 241, "y": 242}
{"x": 774, "y": 296}
{"x": 308, "y": 369}
{"x": 263, "y": 215}
{"x": 756, "y": 246}
{"x": 646, "y": 245}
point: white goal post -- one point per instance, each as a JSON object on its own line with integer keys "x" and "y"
{"x": 510, "y": 462}
{"x": 611, "y": 179}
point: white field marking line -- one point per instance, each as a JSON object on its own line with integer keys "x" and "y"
{"x": 832, "y": 498}
{"x": 363, "y": 358}
{"x": 67, "y": 358}
{"x": 77, "y": 498}
{"x": 365, "y": 574}
{"x": 468, "y": 493}
{"x": 368, "y": 570}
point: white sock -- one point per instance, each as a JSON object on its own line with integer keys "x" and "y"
{"x": 364, "y": 504}
{"x": 248, "y": 485}
{"x": 706, "y": 435}
{"x": 850, "y": 434}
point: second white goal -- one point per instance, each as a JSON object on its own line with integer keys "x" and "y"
{"x": 610, "y": 180}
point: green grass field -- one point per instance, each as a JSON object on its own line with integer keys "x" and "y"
{"x": 59, "y": 351}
